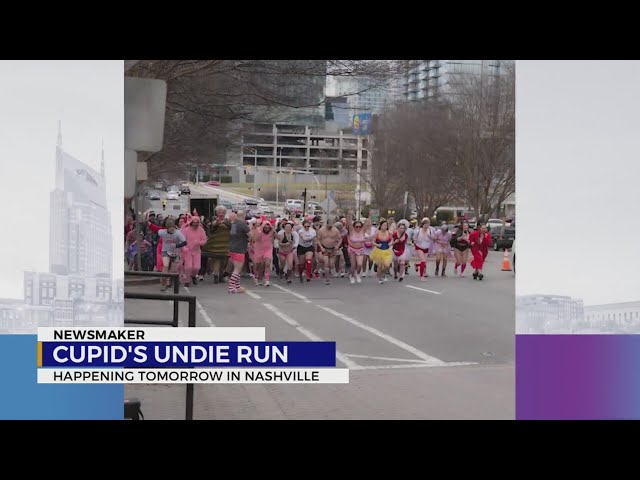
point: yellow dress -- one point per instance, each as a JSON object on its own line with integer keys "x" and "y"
{"x": 382, "y": 257}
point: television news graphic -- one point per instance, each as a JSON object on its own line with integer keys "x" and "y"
{"x": 181, "y": 355}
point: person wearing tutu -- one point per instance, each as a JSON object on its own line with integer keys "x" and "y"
{"x": 382, "y": 255}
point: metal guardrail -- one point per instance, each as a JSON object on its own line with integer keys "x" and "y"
{"x": 176, "y": 286}
{"x": 176, "y": 298}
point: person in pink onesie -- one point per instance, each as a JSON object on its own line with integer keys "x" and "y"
{"x": 196, "y": 238}
{"x": 262, "y": 238}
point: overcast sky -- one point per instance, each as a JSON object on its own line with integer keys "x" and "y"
{"x": 87, "y": 96}
{"x": 578, "y": 172}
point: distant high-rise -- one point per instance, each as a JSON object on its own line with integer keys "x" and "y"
{"x": 80, "y": 227}
{"x": 365, "y": 95}
{"x": 432, "y": 78}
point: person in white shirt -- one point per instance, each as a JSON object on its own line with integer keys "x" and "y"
{"x": 423, "y": 242}
{"x": 306, "y": 247}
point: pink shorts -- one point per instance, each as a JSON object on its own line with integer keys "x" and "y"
{"x": 259, "y": 257}
{"x": 236, "y": 257}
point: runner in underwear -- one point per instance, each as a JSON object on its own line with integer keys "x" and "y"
{"x": 356, "y": 247}
{"x": 287, "y": 247}
{"x": 306, "y": 248}
{"x": 329, "y": 241}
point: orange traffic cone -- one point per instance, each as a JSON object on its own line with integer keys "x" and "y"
{"x": 506, "y": 263}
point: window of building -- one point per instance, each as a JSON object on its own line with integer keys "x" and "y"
{"x": 76, "y": 289}
{"x": 103, "y": 291}
{"x": 47, "y": 291}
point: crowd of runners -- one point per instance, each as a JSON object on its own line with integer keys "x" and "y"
{"x": 231, "y": 246}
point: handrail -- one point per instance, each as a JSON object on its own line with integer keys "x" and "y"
{"x": 191, "y": 300}
{"x": 176, "y": 285}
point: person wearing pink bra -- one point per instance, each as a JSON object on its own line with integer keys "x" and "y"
{"x": 356, "y": 247}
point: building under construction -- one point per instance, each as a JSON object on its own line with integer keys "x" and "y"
{"x": 302, "y": 150}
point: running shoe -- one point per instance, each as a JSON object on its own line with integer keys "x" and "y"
{"x": 266, "y": 283}
{"x": 352, "y": 280}
{"x": 358, "y": 279}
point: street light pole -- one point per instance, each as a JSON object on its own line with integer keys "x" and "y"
{"x": 255, "y": 170}
{"x": 279, "y": 164}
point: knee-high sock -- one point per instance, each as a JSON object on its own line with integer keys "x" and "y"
{"x": 308, "y": 265}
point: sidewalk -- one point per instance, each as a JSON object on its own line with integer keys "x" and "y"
{"x": 463, "y": 393}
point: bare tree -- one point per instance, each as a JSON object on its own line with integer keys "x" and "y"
{"x": 483, "y": 118}
{"x": 413, "y": 155}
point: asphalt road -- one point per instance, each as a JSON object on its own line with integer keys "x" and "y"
{"x": 440, "y": 349}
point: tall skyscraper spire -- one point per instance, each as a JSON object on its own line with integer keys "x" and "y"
{"x": 102, "y": 160}
{"x": 59, "y": 133}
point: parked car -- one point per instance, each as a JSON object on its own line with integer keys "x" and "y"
{"x": 503, "y": 237}
{"x": 228, "y": 205}
{"x": 173, "y": 188}
{"x": 153, "y": 195}
{"x": 314, "y": 208}
{"x": 494, "y": 223}
{"x": 185, "y": 190}
{"x": 158, "y": 186}
{"x": 214, "y": 183}
{"x": 173, "y": 195}
{"x": 293, "y": 206}
{"x": 263, "y": 207}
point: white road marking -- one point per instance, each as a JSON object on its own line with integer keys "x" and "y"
{"x": 385, "y": 358}
{"x": 416, "y": 365}
{"x": 399, "y": 343}
{"x": 291, "y": 292}
{"x": 310, "y": 335}
{"x": 201, "y": 309}
{"x": 423, "y": 289}
{"x": 252, "y": 295}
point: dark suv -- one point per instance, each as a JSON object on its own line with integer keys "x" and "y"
{"x": 503, "y": 237}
